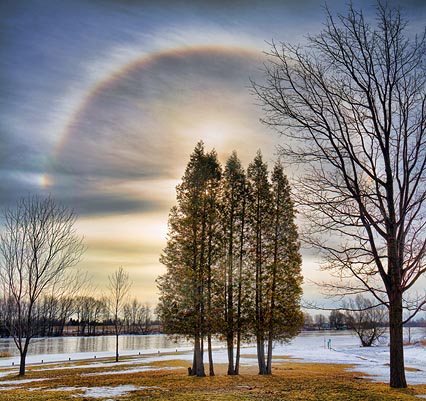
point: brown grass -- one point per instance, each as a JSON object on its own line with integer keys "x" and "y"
{"x": 290, "y": 381}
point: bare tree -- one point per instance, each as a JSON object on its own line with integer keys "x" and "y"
{"x": 320, "y": 321}
{"x": 336, "y": 320}
{"x": 353, "y": 108}
{"x": 37, "y": 247}
{"x": 119, "y": 286}
{"x": 75, "y": 283}
{"x": 368, "y": 321}
{"x": 137, "y": 317}
{"x": 308, "y": 321}
{"x": 144, "y": 318}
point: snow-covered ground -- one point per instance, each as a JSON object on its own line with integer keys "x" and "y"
{"x": 307, "y": 347}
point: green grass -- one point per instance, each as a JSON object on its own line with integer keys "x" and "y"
{"x": 290, "y": 381}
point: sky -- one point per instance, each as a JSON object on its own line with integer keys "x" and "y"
{"x": 102, "y": 102}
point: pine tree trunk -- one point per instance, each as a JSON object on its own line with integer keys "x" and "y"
{"x": 230, "y": 347}
{"x": 192, "y": 372}
{"x": 238, "y": 353}
{"x": 397, "y": 372}
{"x": 260, "y": 343}
{"x": 199, "y": 364}
{"x": 210, "y": 351}
{"x": 269, "y": 354}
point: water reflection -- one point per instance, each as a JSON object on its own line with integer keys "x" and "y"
{"x": 69, "y": 345}
{"x": 144, "y": 343}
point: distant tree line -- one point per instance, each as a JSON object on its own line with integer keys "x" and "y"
{"x": 232, "y": 258}
{"x": 82, "y": 315}
{"x": 368, "y": 321}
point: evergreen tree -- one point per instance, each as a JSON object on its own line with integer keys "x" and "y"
{"x": 232, "y": 258}
{"x": 259, "y": 224}
{"x": 213, "y": 228}
{"x": 186, "y": 292}
{"x": 284, "y": 317}
{"x": 233, "y": 193}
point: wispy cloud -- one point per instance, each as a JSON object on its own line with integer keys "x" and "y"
{"x": 125, "y": 142}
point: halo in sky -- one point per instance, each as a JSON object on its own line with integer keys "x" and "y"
{"x": 143, "y": 121}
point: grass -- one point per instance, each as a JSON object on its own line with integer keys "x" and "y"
{"x": 290, "y": 381}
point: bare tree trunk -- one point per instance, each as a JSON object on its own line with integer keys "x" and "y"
{"x": 116, "y": 343}
{"x": 23, "y": 357}
{"x": 397, "y": 372}
{"x": 22, "y": 363}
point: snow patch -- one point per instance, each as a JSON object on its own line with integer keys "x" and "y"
{"x": 22, "y": 381}
{"x": 9, "y": 388}
{"x": 102, "y": 392}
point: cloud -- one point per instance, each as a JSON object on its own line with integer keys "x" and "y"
{"x": 127, "y": 141}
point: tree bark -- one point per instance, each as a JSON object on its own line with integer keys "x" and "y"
{"x": 210, "y": 351}
{"x": 397, "y": 371}
{"x": 192, "y": 371}
{"x": 199, "y": 364}
{"x": 260, "y": 343}
{"x": 238, "y": 353}
{"x": 269, "y": 354}
{"x": 116, "y": 344}
{"x": 23, "y": 356}
{"x": 22, "y": 363}
{"x": 230, "y": 347}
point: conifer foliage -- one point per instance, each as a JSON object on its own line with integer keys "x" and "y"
{"x": 232, "y": 259}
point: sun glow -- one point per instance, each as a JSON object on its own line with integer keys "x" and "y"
{"x": 46, "y": 181}
{"x": 213, "y": 132}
